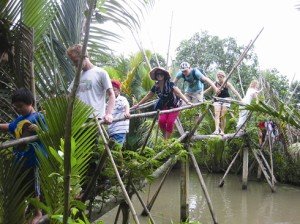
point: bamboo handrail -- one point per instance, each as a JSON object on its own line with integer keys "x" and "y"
{"x": 12, "y": 143}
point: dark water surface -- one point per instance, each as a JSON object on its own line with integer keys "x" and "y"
{"x": 232, "y": 205}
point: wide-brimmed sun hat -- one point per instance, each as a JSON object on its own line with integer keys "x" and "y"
{"x": 157, "y": 70}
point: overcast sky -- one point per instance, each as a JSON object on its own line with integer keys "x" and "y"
{"x": 277, "y": 47}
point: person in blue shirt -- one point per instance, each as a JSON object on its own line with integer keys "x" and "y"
{"x": 193, "y": 78}
{"x": 26, "y": 124}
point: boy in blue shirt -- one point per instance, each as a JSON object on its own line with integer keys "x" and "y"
{"x": 26, "y": 125}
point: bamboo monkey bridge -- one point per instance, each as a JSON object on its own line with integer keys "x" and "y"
{"x": 124, "y": 198}
{"x": 185, "y": 138}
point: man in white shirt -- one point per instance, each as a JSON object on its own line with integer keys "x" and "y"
{"x": 93, "y": 86}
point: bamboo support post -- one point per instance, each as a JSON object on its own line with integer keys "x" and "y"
{"x": 151, "y": 203}
{"x": 118, "y": 175}
{"x": 203, "y": 186}
{"x": 184, "y": 189}
{"x": 263, "y": 170}
{"x": 271, "y": 158}
{"x": 245, "y": 167}
{"x": 149, "y": 132}
{"x": 267, "y": 165}
{"x": 146, "y": 210}
{"x": 264, "y": 160}
{"x": 221, "y": 183}
{"x": 179, "y": 126}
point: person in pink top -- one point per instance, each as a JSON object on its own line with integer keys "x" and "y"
{"x": 169, "y": 96}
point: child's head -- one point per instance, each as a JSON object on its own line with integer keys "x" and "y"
{"x": 23, "y": 101}
{"x": 254, "y": 84}
{"x": 116, "y": 87}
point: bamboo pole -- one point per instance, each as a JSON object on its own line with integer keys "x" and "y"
{"x": 142, "y": 203}
{"x": 240, "y": 58}
{"x": 118, "y": 175}
{"x": 271, "y": 157}
{"x": 31, "y": 67}
{"x": 69, "y": 115}
{"x": 147, "y": 114}
{"x": 184, "y": 188}
{"x": 221, "y": 183}
{"x": 263, "y": 170}
{"x": 170, "y": 33}
{"x": 144, "y": 105}
{"x": 149, "y": 132}
{"x": 203, "y": 186}
{"x": 264, "y": 159}
{"x": 245, "y": 167}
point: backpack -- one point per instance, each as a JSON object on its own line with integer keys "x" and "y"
{"x": 170, "y": 100}
{"x": 194, "y": 74}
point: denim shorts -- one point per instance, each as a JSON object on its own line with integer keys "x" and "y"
{"x": 119, "y": 138}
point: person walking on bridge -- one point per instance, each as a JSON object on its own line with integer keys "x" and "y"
{"x": 194, "y": 79}
{"x": 169, "y": 97}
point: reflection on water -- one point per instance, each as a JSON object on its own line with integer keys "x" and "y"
{"x": 232, "y": 205}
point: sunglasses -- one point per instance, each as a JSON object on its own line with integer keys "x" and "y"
{"x": 159, "y": 74}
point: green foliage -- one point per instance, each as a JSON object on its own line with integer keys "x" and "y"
{"x": 52, "y": 166}
{"x": 13, "y": 190}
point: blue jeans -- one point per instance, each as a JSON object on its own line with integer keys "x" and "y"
{"x": 119, "y": 138}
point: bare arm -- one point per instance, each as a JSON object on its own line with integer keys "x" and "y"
{"x": 110, "y": 105}
{"x": 178, "y": 92}
{"x": 230, "y": 86}
{"x": 207, "y": 90}
{"x": 145, "y": 99}
{"x": 4, "y": 127}
{"x": 211, "y": 83}
{"x": 127, "y": 113}
{"x": 175, "y": 80}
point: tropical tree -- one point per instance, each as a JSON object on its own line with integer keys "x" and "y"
{"x": 42, "y": 30}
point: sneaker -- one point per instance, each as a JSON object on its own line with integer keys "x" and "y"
{"x": 216, "y": 132}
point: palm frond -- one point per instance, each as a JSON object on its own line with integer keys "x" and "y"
{"x": 285, "y": 113}
{"x": 82, "y": 145}
{"x": 13, "y": 191}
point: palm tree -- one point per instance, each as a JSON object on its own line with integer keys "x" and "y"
{"x": 36, "y": 36}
